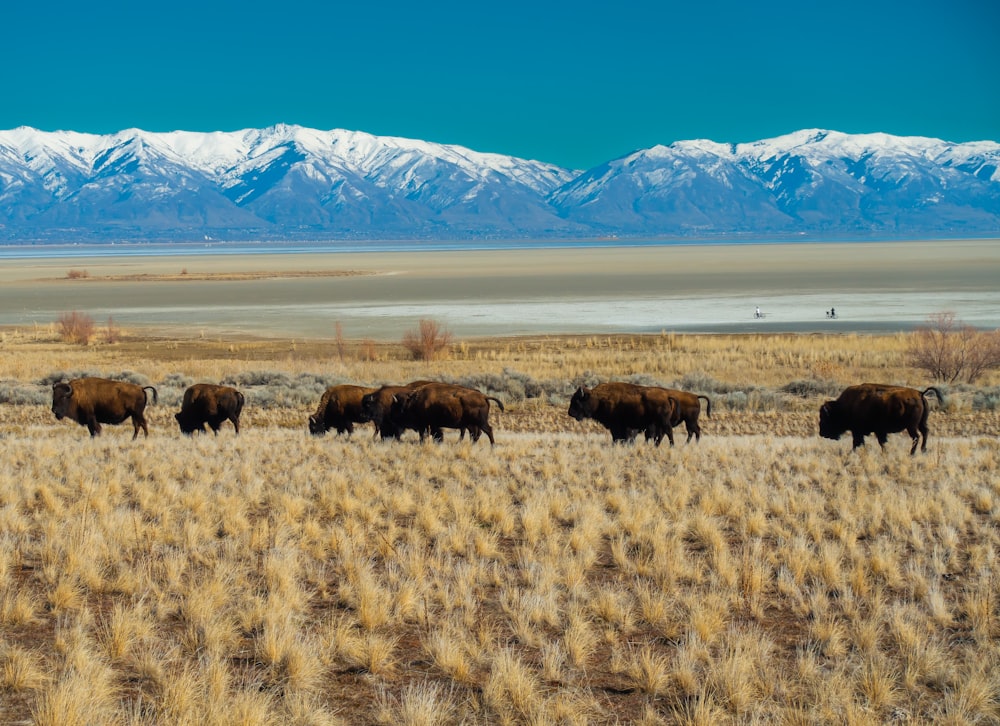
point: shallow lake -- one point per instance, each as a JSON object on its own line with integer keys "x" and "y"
{"x": 873, "y": 286}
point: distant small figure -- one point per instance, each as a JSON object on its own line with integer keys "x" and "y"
{"x": 757, "y": 313}
{"x": 831, "y": 313}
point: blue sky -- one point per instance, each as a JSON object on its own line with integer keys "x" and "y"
{"x": 572, "y": 83}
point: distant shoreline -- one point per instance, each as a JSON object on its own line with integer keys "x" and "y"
{"x": 875, "y": 286}
{"x": 72, "y": 250}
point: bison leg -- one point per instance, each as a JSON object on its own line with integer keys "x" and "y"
{"x": 474, "y": 433}
{"x": 236, "y": 423}
{"x": 436, "y": 433}
{"x": 653, "y": 432}
{"x": 138, "y": 420}
{"x": 388, "y": 431}
{"x": 657, "y": 431}
{"x": 915, "y": 434}
{"x": 620, "y": 435}
{"x": 859, "y": 440}
{"x": 489, "y": 433}
{"x": 693, "y": 429}
{"x": 94, "y": 426}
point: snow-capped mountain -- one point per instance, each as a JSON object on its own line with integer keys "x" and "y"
{"x": 812, "y": 182}
{"x": 289, "y": 182}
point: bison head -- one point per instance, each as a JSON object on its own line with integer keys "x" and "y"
{"x": 830, "y": 425}
{"x": 188, "y": 424}
{"x": 371, "y": 409}
{"x": 579, "y": 405}
{"x": 62, "y": 399}
{"x": 317, "y": 426}
{"x": 401, "y": 405}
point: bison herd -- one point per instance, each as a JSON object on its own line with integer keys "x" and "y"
{"x": 429, "y": 407}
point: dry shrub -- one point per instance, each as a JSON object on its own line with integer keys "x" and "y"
{"x": 950, "y": 350}
{"x": 112, "y": 333}
{"x": 428, "y": 342}
{"x": 338, "y": 337}
{"x": 76, "y": 327}
{"x": 369, "y": 350}
{"x": 77, "y": 275}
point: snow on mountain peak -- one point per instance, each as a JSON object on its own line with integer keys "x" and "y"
{"x": 294, "y": 180}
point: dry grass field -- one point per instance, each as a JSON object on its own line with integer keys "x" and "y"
{"x": 763, "y": 575}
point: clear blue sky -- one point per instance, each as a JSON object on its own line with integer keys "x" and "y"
{"x": 569, "y": 82}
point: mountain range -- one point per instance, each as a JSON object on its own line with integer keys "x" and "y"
{"x": 293, "y": 183}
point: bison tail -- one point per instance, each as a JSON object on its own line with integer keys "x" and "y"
{"x": 935, "y": 391}
{"x": 497, "y": 400}
{"x": 150, "y": 388}
{"x": 708, "y": 406}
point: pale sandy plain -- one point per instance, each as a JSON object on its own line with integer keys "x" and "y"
{"x": 875, "y": 286}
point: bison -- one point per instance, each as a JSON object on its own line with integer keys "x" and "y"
{"x": 436, "y": 406}
{"x": 626, "y": 408}
{"x": 377, "y": 407}
{"x": 879, "y": 409}
{"x": 687, "y": 410}
{"x": 207, "y": 403}
{"x": 340, "y": 409}
{"x": 95, "y": 401}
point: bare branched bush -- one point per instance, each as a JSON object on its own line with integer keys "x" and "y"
{"x": 951, "y": 350}
{"x": 429, "y": 342}
{"x": 76, "y": 327}
{"x": 112, "y": 333}
{"x": 369, "y": 350}
{"x": 338, "y": 336}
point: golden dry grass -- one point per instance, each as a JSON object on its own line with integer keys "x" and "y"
{"x": 762, "y": 576}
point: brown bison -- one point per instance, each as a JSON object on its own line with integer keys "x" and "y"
{"x": 626, "y": 408}
{"x": 377, "y": 407}
{"x": 95, "y": 401}
{"x": 436, "y": 406}
{"x": 207, "y": 403}
{"x": 879, "y": 409}
{"x": 687, "y": 410}
{"x": 340, "y": 409}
